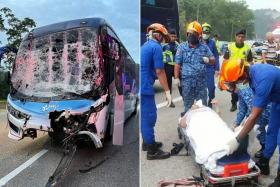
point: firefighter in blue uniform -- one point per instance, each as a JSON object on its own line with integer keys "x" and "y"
{"x": 190, "y": 69}
{"x": 264, "y": 79}
{"x": 212, "y": 69}
{"x": 152, "y": 67}
{"x": 245, "y": 98}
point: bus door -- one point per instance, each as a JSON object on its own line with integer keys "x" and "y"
{"x": 119, "y": 106}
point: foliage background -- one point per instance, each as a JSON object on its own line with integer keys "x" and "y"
{"x": 225, "y": 17}
{"x": 14, "y": 28}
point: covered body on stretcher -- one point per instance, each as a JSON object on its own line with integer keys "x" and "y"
{"x": 207, "y": 135}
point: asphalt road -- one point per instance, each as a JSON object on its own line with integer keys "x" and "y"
{"x": 182, "y": 166}
{"x": 121, "y": 167}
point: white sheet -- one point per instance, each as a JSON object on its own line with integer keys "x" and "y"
{"x": 208, "y": 134}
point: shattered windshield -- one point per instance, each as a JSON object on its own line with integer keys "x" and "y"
{"x": 58, "y": 63}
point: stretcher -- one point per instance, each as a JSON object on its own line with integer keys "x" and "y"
{"x": 204, "y": 134}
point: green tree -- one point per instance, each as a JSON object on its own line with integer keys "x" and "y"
{"x": 15, "y": 28}
{"x": 4, "y": 84}
{"x": 224, "y": 16}
{"x": 265, "y": 20}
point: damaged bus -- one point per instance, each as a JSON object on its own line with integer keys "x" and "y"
{"x": 72, "y": 79}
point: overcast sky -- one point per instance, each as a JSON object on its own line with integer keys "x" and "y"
{"x": 263, "y": 4}
{"x": 123, "y": 15}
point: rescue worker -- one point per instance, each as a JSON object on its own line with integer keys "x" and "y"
{"x": 269, "y": 50}
{"x": 212, "y": 69}
{"x": 245, "y": 97}
{"x": 169, "y": 52}
{"x": 152, "y": 66}
{"x": 264, "y": 79}
{"x": 238, "y": 50}
{"x": 190, "y": 69}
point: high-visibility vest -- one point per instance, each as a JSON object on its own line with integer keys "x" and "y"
{"x": 238, "y": 53}
{"x": 218, "y": 46}
{"x": 168, "y": 57}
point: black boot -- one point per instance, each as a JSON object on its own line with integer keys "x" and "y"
{"x": 145, "y": 146}
{"x": 263, "y": 164}
{"x": 259, "y": 154}
{"x": 276, "y": 182}
{"x": 233, "y": 107}
{"x": 156, "y": 153}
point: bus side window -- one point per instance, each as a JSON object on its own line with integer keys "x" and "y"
{"x": 104, "y": 42}
{"x": 114, "y": 44}
{"x": 115, "y": 55}
{"x": 110, "y": 50}
{"x": 149, "y": 2}
{"x": 126, "y": 71}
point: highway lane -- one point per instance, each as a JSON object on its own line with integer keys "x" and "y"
{"x": 121, "y": 167}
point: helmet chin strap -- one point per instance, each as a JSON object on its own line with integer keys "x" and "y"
{"x": 155, "y": 36}
{"x": 150, "y": 35}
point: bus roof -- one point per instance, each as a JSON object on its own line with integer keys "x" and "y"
{"x": 66, "y": 25}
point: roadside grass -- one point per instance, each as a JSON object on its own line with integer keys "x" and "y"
{"x": 3, "y": 103}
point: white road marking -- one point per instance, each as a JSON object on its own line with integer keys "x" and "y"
{"x": 23, "y": 166}
{"x": 160, "y": 105}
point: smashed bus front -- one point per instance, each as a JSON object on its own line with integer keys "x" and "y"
{"x": 54, "y": 71}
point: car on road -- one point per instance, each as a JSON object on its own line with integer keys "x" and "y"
{"x": 72, "y": 78}
{"x": 257, "y": 47}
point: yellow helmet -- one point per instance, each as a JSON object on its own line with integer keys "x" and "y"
{"x": 206, "y": 28}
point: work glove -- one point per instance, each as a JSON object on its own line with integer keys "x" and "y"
{"x": 205, "y": 59}
{"x": 177, "y": 82}
{"x": 232, "y": 145}
{"x": 168, "y": 98}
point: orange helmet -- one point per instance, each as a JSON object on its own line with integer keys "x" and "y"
{"x": 231, "y": 70}
{"x": 158, "y": 28}
{"x": 195, "y": 26}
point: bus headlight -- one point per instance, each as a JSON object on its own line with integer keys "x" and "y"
{"x": 17, "y": 114}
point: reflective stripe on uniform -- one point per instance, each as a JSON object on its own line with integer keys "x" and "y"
{"x": 168, "y": 57}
